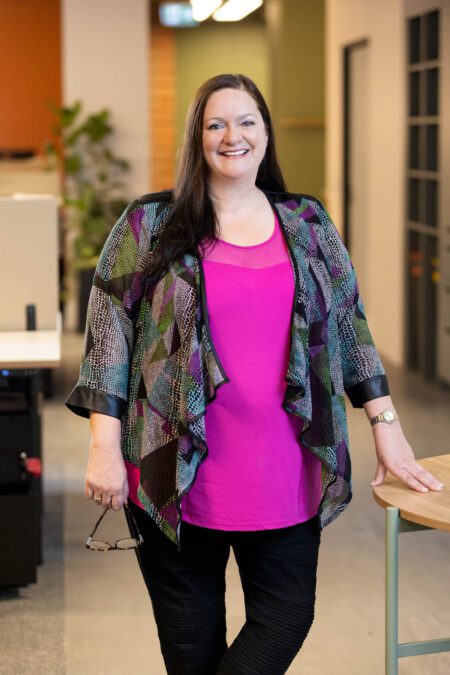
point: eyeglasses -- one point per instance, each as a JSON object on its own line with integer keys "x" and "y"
{"x": 120, "y": 544}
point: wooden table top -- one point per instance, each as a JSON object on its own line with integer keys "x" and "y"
{"x": 432, "y": 508}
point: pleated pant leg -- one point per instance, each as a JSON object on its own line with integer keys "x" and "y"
{"x": 278, "y": 574}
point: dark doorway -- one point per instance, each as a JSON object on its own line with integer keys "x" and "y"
{"x": 356, "y": 159}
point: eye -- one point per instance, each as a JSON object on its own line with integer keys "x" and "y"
{"x": 214, "y": 125}
{"x": 248, "y": 123}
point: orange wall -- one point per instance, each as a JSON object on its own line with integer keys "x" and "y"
{"x": 162, "y": 112}
{"x": 30, "y": 71}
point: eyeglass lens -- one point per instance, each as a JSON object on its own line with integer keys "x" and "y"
{"x": 127, "y": 543}
{"x": 120, "y": 543}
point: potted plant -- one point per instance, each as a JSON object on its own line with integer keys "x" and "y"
{"x": 91, "y": 189}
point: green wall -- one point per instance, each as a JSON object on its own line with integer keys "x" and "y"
{"x": 213, "y": 48}
{"x": 296, "y": 35}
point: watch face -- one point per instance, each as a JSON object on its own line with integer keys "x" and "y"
{"x": 388, "y": 415}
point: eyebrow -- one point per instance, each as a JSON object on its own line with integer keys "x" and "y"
{"x": 240, "y": 117}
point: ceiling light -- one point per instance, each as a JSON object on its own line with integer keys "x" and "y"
{"x": 201, "y": 9}
{"x": 235, "y": 10}
{"x": 176, "y": 15}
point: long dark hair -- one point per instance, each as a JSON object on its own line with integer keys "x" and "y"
{"x": 192, "y": 217}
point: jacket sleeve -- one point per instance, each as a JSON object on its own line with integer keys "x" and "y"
{"x": 363, "y": 372}
{"x": 109, "y": 336}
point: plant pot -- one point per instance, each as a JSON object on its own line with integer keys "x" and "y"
{"x": 85, "y": 279}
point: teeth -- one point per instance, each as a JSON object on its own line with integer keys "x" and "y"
{"x": 234, "y": 152}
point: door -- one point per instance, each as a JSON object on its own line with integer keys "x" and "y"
{"x": 356, "y": 111}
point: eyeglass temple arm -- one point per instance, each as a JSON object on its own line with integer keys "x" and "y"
{"x": 98, "y": 522}
{"x": 103, "y": 515}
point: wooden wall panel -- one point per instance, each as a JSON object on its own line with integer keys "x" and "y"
{"x": 30, "y": 71}
{"x": 162, "y": 111}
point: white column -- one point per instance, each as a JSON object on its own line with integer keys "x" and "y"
{"x": 105, "y": 56}
{"x": 105, "y": 59}
{"x": 383, "y": 25}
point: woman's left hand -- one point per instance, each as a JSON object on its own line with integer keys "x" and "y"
{"x": 395, "y": 455}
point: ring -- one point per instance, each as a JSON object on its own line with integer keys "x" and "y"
{"x": 98, "y": 499}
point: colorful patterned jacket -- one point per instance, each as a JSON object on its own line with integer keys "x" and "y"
{"x": 149, "y": 360}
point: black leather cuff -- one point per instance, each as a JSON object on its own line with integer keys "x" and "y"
{"x": 83, "y": 399}
{"x": 366, "y": 390}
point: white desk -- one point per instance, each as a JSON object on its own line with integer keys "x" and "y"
{"x": 30, "y": 349}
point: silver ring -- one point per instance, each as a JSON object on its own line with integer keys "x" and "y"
{"x": 98, "y": 499}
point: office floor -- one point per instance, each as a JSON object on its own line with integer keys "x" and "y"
{"x": 90, "y": 613}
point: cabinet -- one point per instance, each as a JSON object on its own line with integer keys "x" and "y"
{"x": 21, "y": 503}
{"x": 428, "y": 199}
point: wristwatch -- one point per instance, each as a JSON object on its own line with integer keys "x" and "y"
{"x": 387, "y": 416}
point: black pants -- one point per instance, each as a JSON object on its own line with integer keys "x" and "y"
{"x": 187, "y": 590}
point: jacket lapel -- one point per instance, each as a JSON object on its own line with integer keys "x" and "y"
{"x": 297, "y": 398}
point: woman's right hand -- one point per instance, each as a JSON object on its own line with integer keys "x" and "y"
{"x": 106, "y": 475}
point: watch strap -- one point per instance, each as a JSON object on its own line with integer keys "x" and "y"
{"x": 381, "y": 417}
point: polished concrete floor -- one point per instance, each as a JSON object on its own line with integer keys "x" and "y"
{"x": 89, "y": 613}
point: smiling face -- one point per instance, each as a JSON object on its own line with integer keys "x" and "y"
{"x": 234, "y": 136}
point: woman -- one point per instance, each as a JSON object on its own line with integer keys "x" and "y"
{"x": 224, "y": 329}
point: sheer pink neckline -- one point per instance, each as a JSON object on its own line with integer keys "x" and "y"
{"x": 271, "y": 252}
{"x": 263, "y": 243}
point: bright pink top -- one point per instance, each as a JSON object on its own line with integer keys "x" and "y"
{"x": 257, "y": 475}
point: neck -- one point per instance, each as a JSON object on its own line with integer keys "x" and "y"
{"x": 231, "y": 195}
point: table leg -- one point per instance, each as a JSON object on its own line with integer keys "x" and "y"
{"x": 391, "y": 636}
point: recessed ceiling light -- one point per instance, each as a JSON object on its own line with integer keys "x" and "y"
{"x": 235, "y": 10}
{"x": 202, "y": 9}
{"x": 176, "y": 15}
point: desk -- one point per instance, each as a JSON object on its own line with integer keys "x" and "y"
{"x": 30, "y": 349}
{"x": 408, "y": 511}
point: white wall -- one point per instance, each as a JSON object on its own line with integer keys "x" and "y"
{"x": 105, "y": 45}
{"x": 30, "y": 228}
{"x": 382, "y": 23}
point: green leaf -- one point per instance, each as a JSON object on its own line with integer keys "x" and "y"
{"x": 97, "y": 126}
{"x": 49, "y": 148}
{"x": 68, "y": 114}
{"x": 76, "y": 203}
{"x": 73, "y": 137}
{"x": 73, "y": 163}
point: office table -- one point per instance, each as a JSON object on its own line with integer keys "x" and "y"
{"x": 30, "y": 349}
{"x": 408, "y": 511}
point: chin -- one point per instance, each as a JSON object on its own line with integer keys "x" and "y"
{"x": 233, "y": 174}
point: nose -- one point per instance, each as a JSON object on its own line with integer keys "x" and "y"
{"x": 232, "y": 135}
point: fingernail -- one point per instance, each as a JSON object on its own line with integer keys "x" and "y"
{"x": 424, "y": 489}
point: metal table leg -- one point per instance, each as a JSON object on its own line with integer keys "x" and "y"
{"x": 394, "y": 525}
{"x": 391, "y": 635}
